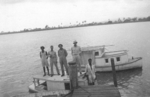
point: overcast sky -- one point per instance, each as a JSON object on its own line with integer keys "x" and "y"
{"x": 20, "y": 14}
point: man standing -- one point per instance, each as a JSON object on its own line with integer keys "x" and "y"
{"x": 44, "y": 57}
{"x": 62, "y": 53}
{"x": 53, "y": 60}
{"x": 76, "y": 51}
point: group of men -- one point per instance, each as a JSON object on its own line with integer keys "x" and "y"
{"x": 62, "y": 54}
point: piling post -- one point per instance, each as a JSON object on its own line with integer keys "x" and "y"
{"x": 73, "y": 75}
{"x": 114, "y": 72}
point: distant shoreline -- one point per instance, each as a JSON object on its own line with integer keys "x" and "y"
{"x": 67, "y": 27}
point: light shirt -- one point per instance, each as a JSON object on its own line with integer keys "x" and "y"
{"x": 62, "y": 53}
{"x": 90, "y": 70}
{"x": 52, "y": 55}
{"x": 76, "y": 50}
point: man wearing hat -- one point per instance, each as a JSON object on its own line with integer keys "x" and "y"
{"x": 44, "y": 57}
{"x": 62, "y": 53}
{"x": 76, "y": 51}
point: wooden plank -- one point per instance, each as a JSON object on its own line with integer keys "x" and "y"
{"x": 77, "y": 92}
{"x": 100, "y": 92}
{"x": 96, "y": 90}
{"x": 99, "y": 87}
{"x": 44, "y": 94}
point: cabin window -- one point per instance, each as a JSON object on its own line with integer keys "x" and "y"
{"x": 96, "y": 53}
{"x": 118, "y": 58}
{"x": 106, "y": 60}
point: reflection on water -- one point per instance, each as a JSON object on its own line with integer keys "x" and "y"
{"x": 130, "y": 81}
{"x": 123, "y": 77}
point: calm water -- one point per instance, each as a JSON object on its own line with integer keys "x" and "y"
{"x": 19, "y": 55}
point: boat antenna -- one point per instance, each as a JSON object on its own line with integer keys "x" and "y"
{"x": 104, "y": 47}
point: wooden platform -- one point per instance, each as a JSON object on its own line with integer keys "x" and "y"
{"x": 96, "y": 91}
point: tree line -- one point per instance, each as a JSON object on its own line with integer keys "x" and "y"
{"x": 84, "y": 23}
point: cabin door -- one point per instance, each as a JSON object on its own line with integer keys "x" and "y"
{"x": 114, "y": 60}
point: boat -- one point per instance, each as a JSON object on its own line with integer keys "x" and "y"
{"x": 54, "y": 85}
{"x": 102, "y": 59}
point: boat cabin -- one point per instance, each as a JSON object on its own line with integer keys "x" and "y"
{"x": 55, "y": 83}
{"x": 102, "y": 58}
{"x": 119, "y": 57}
{"x": 51, "y": 83}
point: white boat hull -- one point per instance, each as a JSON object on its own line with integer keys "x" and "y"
{"x": 134, "y": 63}
{"x": 32, "y": 89}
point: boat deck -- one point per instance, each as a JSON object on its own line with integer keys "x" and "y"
{"x": 57, "y": 78}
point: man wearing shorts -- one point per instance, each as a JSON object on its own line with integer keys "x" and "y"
{"x": 44, "y": 57}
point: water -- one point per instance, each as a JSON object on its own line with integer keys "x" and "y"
{"x": 19, "y": 55}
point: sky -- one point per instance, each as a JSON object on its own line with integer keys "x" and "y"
{"x": 16, "y": 15}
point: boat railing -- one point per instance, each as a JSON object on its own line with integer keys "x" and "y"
{"x": 117, "y": 51}
{"x": 37, "y": 81}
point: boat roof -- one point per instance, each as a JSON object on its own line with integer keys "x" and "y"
{"x": 115, "y": 53}
{"x": 48, "y": 78}
{"x": 93, "y": 48}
